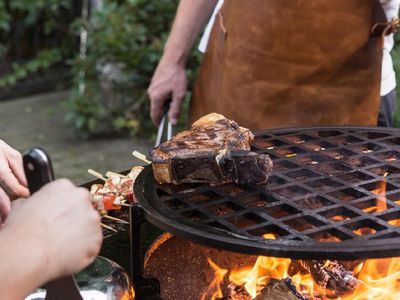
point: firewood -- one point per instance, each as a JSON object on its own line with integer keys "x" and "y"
{"x": 283, "y": 289}
{"x": 351, "y": 265}
{"x": 236, "y": 292}
{"x": 331, "y": 276}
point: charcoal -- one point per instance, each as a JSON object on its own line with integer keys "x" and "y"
{"x": 329, "y": 275}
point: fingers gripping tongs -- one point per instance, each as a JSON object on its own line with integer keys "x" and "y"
{"x": 161, "y": 128}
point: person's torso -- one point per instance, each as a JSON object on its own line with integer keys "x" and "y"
{"x": 391, "y": 8}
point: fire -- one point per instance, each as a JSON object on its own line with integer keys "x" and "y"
{"x": 264, "y": 269}
{"x": 215, "y": 287}
{"x": 380, "y": 191}
{"x": 378, "y": 279}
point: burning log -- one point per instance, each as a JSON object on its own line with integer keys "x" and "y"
{"x": 283, "y": 289}
{"x": 331, "y": 276}
{"x": 236, "y": 292}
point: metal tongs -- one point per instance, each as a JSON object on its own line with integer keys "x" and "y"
{"x": 161, "y": 127}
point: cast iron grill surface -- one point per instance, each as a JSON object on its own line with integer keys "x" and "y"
{"x": 324, "y": 199}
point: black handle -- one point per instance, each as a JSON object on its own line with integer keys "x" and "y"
{"x": 39, "y": 171}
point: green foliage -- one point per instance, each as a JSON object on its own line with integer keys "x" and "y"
{"x": 42, "y": 61}
{"x": 4, "y": 17}
{"x": 28, "y": 15}
{"x": 126, "y": 39}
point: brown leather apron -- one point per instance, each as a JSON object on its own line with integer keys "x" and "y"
{"x": 280, "y": 63}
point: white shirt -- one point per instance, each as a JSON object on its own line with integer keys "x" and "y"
{"x": 388, "y": 82}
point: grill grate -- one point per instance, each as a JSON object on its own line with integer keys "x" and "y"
{"x": 323, "y": 200}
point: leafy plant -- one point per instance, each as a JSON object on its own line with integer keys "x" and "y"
{"x": 44, "y": 59}
{"x": 125, "y": 44}
{"x": 38, "y": 28}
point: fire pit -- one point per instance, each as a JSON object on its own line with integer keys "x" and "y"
{"x": 332, "y": 196}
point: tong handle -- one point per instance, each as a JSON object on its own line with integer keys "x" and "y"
{"x": 39, "y": 171}
{"x": 161, "y": 127}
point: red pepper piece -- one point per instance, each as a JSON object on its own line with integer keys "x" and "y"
{"x": 108, "y": 202}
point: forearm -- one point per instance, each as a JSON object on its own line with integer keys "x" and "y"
{"x": 23, "y": 265}
{"x": 190, "y": 20}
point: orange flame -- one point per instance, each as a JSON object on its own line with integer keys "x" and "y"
{"x": 379, "y": 279}
{"x": 215, "y": 287}
{"x": 381, "y": 204}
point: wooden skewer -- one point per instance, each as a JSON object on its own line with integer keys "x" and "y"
{"x": 141, "y": 156}
{"x": 96, "y": 174}
{"x": 110, "y": 174}
{"x": 108, "y": 227}
{"x": 124, "y": 204}
{"x": 115, "y": 219}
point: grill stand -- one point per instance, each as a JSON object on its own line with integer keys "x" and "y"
{"x": 145, "y": 288}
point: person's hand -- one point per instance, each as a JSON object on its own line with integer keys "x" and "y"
{"x": 5, "y": 206}
{"x": 12, "y": 178}
{"x": 169, "y": 82}
{"x": 60, "y": 221}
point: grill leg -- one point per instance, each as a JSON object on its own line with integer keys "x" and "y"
{"x": 144, "y": 287}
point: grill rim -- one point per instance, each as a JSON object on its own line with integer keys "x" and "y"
{"x": 144, "y": 190}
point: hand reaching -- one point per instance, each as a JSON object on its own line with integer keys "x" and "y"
{"x": 12, "y": 178}
{"x": 169, "y": 82}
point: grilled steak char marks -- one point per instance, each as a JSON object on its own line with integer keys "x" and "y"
{"x": 215, "y": 150}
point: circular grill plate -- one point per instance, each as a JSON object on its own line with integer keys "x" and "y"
{"x": 322, "y": 200}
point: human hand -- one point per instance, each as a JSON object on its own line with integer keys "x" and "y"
{"x": 169, "y": 82}
{"x": 5, "y": 206}
{"x": 12, "y": 178}
{"x": 60, "y": 221}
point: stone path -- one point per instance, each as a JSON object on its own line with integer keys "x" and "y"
{"x": 39, "y": 121}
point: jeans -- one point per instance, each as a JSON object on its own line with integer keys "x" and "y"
{"x": 387, "y": 109}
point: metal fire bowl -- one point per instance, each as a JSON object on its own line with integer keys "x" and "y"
{"x": 321, "y": 193}
{"x": 101, "y": 280}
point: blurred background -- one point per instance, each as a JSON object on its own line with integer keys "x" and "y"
{"x": 74, "y": 75}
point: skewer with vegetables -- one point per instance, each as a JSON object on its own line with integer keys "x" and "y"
{"x": 116, "y": 191}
